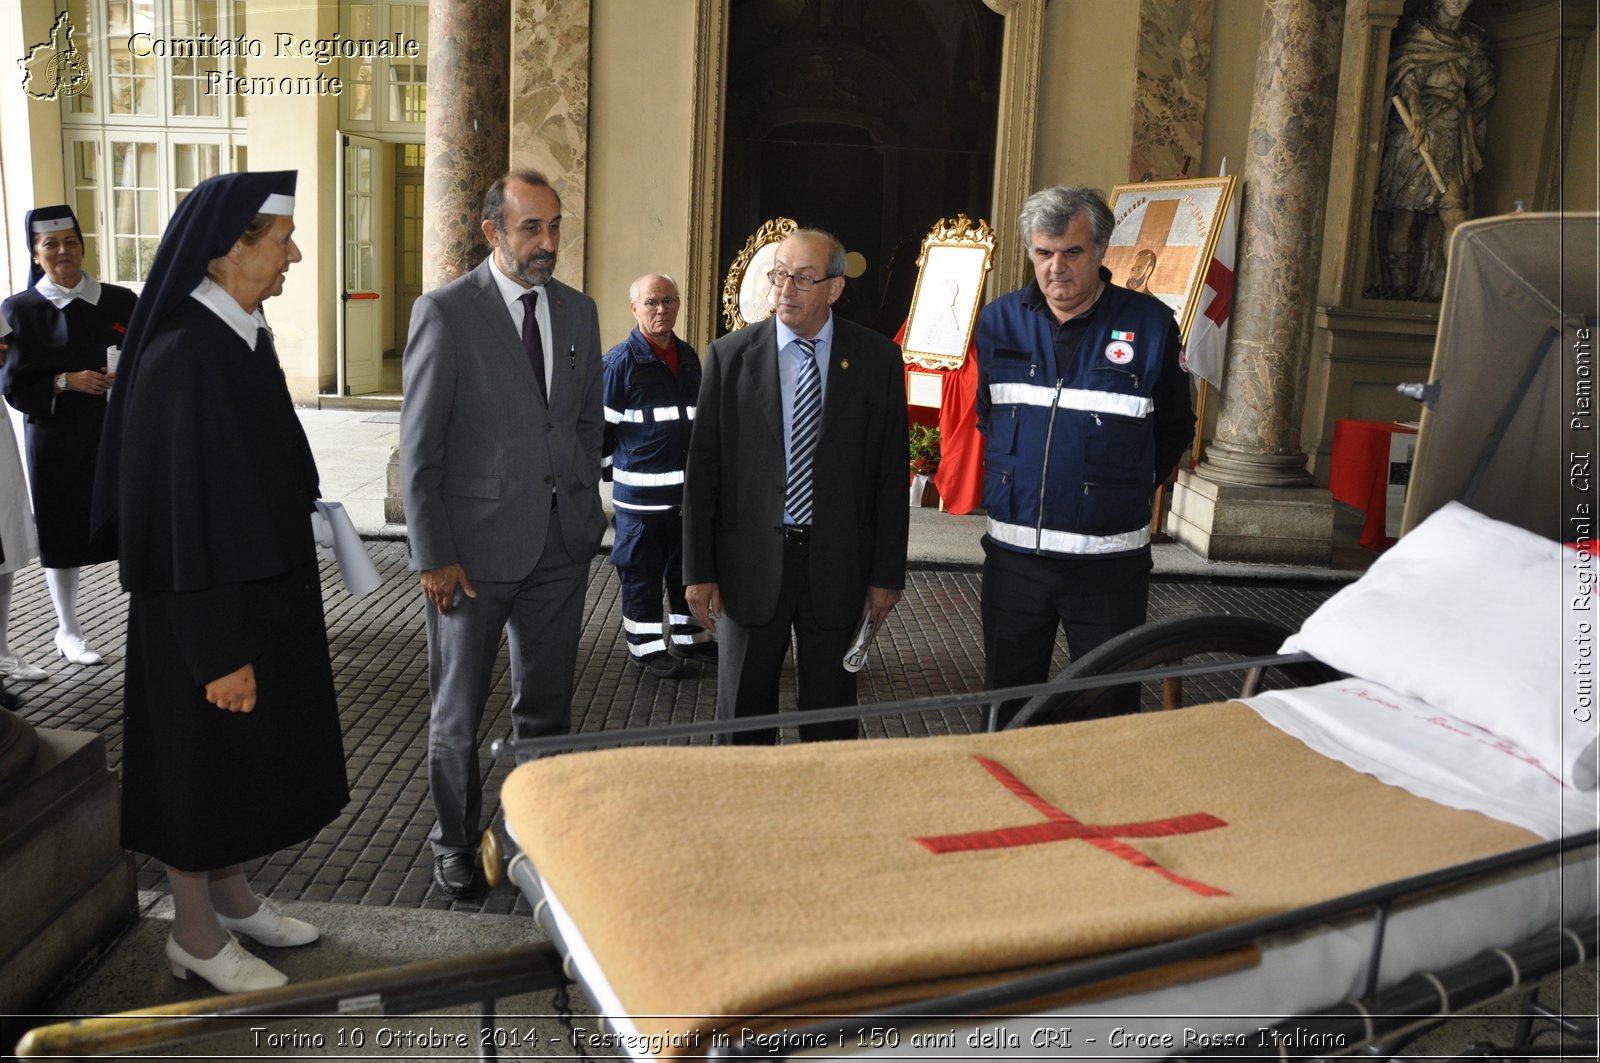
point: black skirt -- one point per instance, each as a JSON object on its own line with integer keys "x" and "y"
{"x": 204, "y": 788}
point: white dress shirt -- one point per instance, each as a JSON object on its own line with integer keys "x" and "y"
{"x": 512, "y": 293}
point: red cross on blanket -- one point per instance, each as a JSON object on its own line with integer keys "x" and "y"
{"x": 1059, "y": 826}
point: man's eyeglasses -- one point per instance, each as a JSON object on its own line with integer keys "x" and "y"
{"x": 669, "y": 302}
{"x": 801, "y": 283}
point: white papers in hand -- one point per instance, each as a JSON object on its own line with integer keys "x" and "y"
{"x": 337, "y": 537}
{"x": 855, "y": 658}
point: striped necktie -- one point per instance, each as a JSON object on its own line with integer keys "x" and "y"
{"x": 805, "y": 426}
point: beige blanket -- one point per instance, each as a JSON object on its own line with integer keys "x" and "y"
{"x": 715, "y": 884}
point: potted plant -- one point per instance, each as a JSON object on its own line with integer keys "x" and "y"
{"x": 924, "y": 446}
{"x": 924, "y": 450}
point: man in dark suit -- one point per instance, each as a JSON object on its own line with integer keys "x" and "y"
{"x": 795, "y": 508}
{"x": 499, "y": 465}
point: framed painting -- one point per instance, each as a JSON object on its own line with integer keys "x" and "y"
{"x": 746, "y": 293}
{"x": 955, "y": 261}
{"x": 1166, "y": 232}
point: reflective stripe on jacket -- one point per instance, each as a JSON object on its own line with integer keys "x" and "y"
{"x": 1070, "y": 450}
{"x": 649, "y": 414}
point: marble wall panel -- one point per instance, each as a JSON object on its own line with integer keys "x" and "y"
{"x": 1171, "y": 73}
{"x": 550, "y": 52}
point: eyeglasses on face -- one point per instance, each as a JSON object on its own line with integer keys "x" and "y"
{"x": 801, "y": 283}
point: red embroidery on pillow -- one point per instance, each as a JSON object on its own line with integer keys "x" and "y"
{"x": 1060, "y": 826}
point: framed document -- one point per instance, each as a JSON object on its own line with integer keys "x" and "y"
{"x": 924, "y": 389}
{"x": 955, "y": 260}
{"x": 746, "y": 293}
{"x": 1166, "y": 232}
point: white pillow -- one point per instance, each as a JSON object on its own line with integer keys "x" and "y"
{"x": 1464, "y": 613}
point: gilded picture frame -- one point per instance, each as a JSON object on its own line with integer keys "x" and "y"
{"x": 1165, "y": 235}
{"x": 955, "y": 261}
{"x": 746, "y": 293}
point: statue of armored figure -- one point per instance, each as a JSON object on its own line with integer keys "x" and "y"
{"x": 1437, "y": 97}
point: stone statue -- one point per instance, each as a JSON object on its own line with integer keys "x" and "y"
{"x": 1437, "y": 97}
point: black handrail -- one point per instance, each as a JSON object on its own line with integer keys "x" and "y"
{"x": 537, "y": 747}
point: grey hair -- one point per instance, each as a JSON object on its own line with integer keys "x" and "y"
{"x": 1050, "y": 210}
{"x": 836, "y": 261}
{"x": 633, "y": 289}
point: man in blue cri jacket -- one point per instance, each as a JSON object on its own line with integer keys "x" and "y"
{"x": 1084, "y": 410}
{"x": 652, "y": 380}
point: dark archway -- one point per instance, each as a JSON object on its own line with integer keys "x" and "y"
{"x": 872, "y": 119}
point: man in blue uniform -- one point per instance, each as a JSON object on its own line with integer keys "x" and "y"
{"x": 1084, "y": 410}
{"x": 651, "y": 381}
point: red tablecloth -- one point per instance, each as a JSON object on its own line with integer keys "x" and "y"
{"x": 1358, "y": 475}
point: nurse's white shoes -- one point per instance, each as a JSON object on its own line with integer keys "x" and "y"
{"x": 233, "y": 970}
{"x": 12, "y": 666}
{"x": 271, "y": 927}
{"x": 74, "y": 649}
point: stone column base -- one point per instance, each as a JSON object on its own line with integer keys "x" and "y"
{"x": 1237, "y": 522}
{"x": 394, "y": 510}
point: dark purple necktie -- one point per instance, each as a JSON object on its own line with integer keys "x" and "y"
{"x": 531, "y": 340}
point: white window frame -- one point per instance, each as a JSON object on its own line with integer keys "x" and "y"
{"x": 383, "y": 29}
{"x": 227, "y": 130}
{"x": 102, "y": 226}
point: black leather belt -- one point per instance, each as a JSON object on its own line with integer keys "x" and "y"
{"x": 798, "y": 534}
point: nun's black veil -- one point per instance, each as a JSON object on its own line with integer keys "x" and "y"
{"x": 205, "y": 226}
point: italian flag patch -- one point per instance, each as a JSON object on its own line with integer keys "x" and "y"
{"x": 1122, "y": 335}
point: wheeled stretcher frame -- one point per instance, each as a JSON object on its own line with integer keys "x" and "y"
{"x": 1380, "y": 1022}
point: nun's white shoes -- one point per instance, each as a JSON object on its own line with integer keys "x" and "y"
{"x": 12, "y": 666}
{"x": 74, "y": 649}
{"x": 233, "y": 970}
{"x": 271, "y": 927}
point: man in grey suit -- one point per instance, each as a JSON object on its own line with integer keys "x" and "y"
{"x": 499, "y": 461}
{"x": 795, "y": 510}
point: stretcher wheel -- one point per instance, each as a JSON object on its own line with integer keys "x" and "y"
{"x": 1168, "y": 642}
{"x": 493, "y": 861}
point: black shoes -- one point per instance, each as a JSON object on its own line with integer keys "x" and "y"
{"x": 659, "y": 664}
{"x": 705, "y": 652}
{"x": 663, "y": 664}
{"x": 453, "y": 873}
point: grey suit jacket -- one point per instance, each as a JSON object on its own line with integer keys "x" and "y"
{"x": 733, "y": 499}
{"x": 480, "y": 452}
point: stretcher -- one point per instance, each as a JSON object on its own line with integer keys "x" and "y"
{"x": 1014, "y": 957}
{"x": 1297, "y": 962}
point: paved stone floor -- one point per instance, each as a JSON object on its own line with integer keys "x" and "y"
{"x": 374, "y": 853}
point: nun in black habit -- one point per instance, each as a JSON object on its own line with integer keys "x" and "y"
{"x": 232, "y": 746}
{"x": 57, "y": 373}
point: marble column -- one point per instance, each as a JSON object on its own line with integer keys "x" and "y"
{"x": 468, "y": 132}
{"x": 1234, "y": 506}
